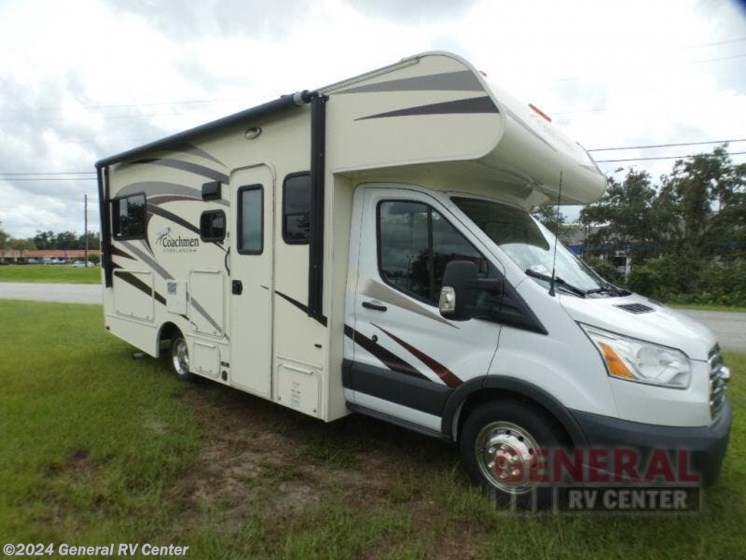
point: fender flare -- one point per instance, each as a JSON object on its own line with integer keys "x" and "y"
{"x": 516, "y": 386}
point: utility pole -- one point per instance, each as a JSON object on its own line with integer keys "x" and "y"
{"x": 85, "y": 233}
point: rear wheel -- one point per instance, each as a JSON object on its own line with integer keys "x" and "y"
{"x": 501, "y": 446}
{"x": 180, "y": 357}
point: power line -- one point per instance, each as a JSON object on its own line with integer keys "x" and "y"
{"x": 123, "y": 106}
{"x": 657, "y": 66}
{"x": 26, "y": 110}
{"x": 91, "y": 175}
{"x": 654, "y": 158}
{"x": 45, "y": 179}
{"x": 666, "y": 145}
{"x": 716, "y": 59}
{"x": 727, "y": 41}
{"x": 48, "y": 173}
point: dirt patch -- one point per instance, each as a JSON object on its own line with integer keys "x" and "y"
{"x": 78, "y": 462}
{"x": 256, "y": 453}
{"x": 260, "y": 461}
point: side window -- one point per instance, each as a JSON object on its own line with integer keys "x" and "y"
{"x": 415, "y": 243}
{"x": 250, "y": 220}
{"x": 212, "y": 225}
{"x": 403, "y": 253}
{"x": 296, "y": 208}
{"x": 128, "y": 217}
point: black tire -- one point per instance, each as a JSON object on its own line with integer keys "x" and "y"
{"x": 501, "y": 441}
{"x": 179, "y": 357}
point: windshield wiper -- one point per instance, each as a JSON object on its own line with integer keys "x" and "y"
{"x": 557, "y": 281}
{"x": 609, "y": 289}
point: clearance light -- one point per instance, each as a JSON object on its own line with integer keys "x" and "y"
{"x": 253, "y": 133}
{"x": 540, "y": 112}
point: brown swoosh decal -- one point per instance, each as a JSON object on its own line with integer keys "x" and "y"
{"x": 118, "y": 252}
{"x": 150, "y": 261}
{"x": 188, "y": 167}
{"x": 140, "y": 285}
{"x": 195, "y": 151}
{"x": 164, "y": 198}
{"x": 462, "y": 80}
{"x": 391, "y": 360}
{"x": 159, "y": 188}
{"x": 445, "y": 374}
{"x": 298, "y": 304}
{"x": 202, "y": 311}
{"x": 477, "y": 105}
{"x": 153, "y": 209}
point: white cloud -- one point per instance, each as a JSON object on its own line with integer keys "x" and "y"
{"x": 85, "y": 79}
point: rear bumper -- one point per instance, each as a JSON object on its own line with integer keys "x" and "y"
{"x": 705, "y": 447}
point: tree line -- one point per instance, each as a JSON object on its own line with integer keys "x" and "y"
{"x": 49, "y": 240}
{"x": 685, "y": 233}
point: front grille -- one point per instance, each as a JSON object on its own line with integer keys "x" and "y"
{"x": 719, "y": 376}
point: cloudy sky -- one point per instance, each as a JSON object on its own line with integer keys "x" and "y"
{"x": 85, "y": 79}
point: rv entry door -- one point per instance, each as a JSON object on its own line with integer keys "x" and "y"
{"x": 251, "y": 191}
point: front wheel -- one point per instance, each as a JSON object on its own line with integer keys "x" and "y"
{"x": 502, "y": 444}
{"x": 180, "y": 357}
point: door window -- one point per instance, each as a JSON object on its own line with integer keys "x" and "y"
{"x": 250, "y": 223}
{"x": 415, "y": 243}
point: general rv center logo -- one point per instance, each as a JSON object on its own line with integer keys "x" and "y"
{"x": 176, "y": 244}
{"x": 609, "y": 480}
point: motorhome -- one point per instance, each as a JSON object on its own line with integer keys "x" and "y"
{"x": 368, "y": 247}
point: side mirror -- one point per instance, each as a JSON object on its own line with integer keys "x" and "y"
{"x": 458, "y": 296}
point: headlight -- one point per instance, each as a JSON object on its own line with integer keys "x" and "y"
{"x": 637, "y": 360}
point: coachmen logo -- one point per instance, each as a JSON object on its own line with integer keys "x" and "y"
{"x": 171, "y": 244}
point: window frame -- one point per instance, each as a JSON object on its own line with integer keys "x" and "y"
{"x": 239, "y": 219}
{"x": 225, "y": 226}
{"x": 118, "y": 236}
{"x": 284, "y": 207}
{"x": 429, "y": 232}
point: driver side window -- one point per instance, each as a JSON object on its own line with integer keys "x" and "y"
{"x": 415, "y": 243}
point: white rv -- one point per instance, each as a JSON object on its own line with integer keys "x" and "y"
{"x": 367, "y": 247}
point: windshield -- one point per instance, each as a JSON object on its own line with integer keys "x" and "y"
{"x": 529, "y": 244}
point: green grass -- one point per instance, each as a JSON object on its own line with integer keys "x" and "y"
{"x": 96, "y": 447}
{"x": 58, "y": 273}
{"x": 90, "y": 439}
{"x": 706, "y": 307}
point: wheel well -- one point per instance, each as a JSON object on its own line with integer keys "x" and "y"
{"x": 167, "y": 332}
{"x": 478, "y": 398}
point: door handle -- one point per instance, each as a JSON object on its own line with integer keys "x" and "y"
{"x": 374, "y": 306}
{"x": 237, "y": 287}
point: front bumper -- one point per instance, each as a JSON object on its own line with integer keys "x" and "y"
{"x": 705, "y": 446}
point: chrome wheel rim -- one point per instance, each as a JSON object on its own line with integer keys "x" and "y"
{"x": 506, "y": 455}
{"x": 180, "y": 357}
